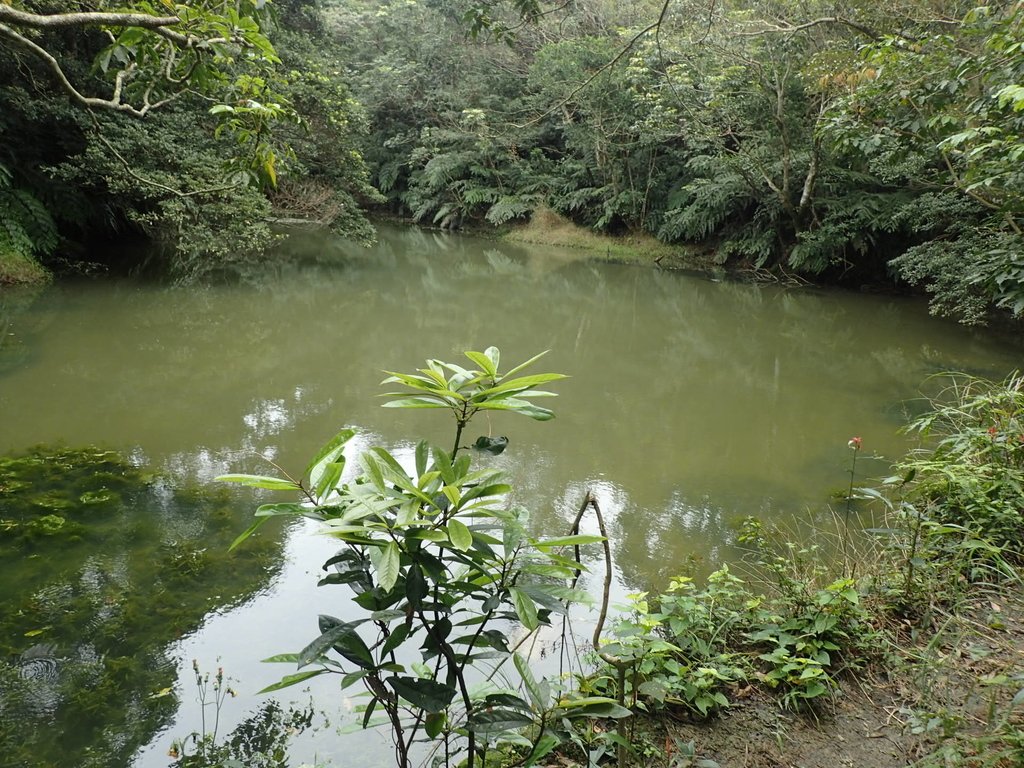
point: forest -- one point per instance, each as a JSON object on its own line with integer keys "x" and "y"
{"x": 850, "y": 142}
{"x": 779, "y": 518}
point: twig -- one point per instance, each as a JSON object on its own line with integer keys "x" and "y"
{"x": 150, "y": 182}
{"x": 601, "y": 70}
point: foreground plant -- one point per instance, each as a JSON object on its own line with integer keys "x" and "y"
{"x": 443, "y": 571}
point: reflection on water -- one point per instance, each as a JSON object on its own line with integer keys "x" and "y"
{"x": 692, "y": 403}
{"x": 103, "y": 568}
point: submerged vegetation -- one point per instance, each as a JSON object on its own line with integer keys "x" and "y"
{"x": 94, "y": 596}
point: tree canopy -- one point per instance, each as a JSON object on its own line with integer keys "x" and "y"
{"x": 852, "y": 141}
{"x": 177, "y": 119}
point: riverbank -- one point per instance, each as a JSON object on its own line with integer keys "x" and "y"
{"x": 895, "y": 641}
{"x": 545, "y": 227}
{"x": 19, "y": 269}
{"x": 950, "y": 697}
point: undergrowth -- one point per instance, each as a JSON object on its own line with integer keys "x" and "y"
{"x": 946, "y": 536}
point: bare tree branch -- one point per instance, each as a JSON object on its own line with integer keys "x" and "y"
{"x": 89, "y": 102}
{"x": 12, "y": 21}
{"x": 786, "y": 28}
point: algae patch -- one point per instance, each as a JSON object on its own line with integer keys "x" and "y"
{"x": 49, "y": 492}
{"x": 105, "y": 565}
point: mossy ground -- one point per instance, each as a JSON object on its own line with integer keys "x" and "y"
{"x": 19, "y": 269}
{"x": 546, "y": 227}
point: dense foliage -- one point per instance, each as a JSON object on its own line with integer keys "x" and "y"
{"x": 852, "y": 141}
{"x": 195, "y": 135}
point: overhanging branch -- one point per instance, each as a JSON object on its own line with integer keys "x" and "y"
{"x": 785, "y": 28}
{"x": 89, "y": 102}
{"x": 158, "y": 24}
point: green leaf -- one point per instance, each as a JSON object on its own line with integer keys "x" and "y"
{"x": 329, "y": 454}
{"x": 434, "y": 724}
{"x": 422, "y": 455}
{"x": 261, "y": 481}
{"x": 333, "y": 636}
{"x": 527, "y": 364}
{"x": 538, "y": 696}
{"x": 428, "y": 534}
{"x": 593, "y": 706}
{"x": 491, "y": 445}
{"x": 416, "y": 402}
{"x": 552, "y": 595}
{"x": 328, "y": 479}
{"x": 498, "y": 721}
{"x": 369, "y": 712}
{"x": 509, "y": 386}
{"x": 459, "y": 535}
{"x": 568, "y": 541}
{"x": 395, "y": 639}
{"x": 428, "y": 695}
{"x": 544, "y": 746}
{"x": 349, "y": 644}
{"x": 375, "y": 471}
{"x": 494, "y": 356}
{"x": 388, "y": 563}
{"x": 415, "y": 585}
{"x": 282, "y": 658}
{"x": 353, "y": 677}
{"x": 525, "y": 608}
{"x": 506, "y": 700}
{"x": 281, "y": 510}
{"x": 247, "y": 532}
{"x": 290, "y": 680}
{"x": 487, "y": 365}
{"x": 522, "y": 407}
{"x": 391, "y": 462}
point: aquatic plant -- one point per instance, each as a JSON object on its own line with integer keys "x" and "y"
{"x": 98, "y": 582}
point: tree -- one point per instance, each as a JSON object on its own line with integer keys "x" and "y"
{"x": 154, "y": 54}
{"x": 150, "y": 60}
{"x": 177, "y": 119}
{"x": 942, "y": 112}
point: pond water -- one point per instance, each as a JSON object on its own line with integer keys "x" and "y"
{"x": 692, "y": 404}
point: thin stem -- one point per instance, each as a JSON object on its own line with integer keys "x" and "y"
{"x": 589, "y": 501}
{"x": 460, "y": 423}
{"x": 855, "y": 445}
{"x": 453, "y": 665}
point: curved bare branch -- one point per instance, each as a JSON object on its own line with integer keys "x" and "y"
{"x": 14, "y": 21}
{"x": 89, "y": 102}
{"x": 786, "y": 28}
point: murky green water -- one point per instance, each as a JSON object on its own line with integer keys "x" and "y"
{"x": 692, "y": 404}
